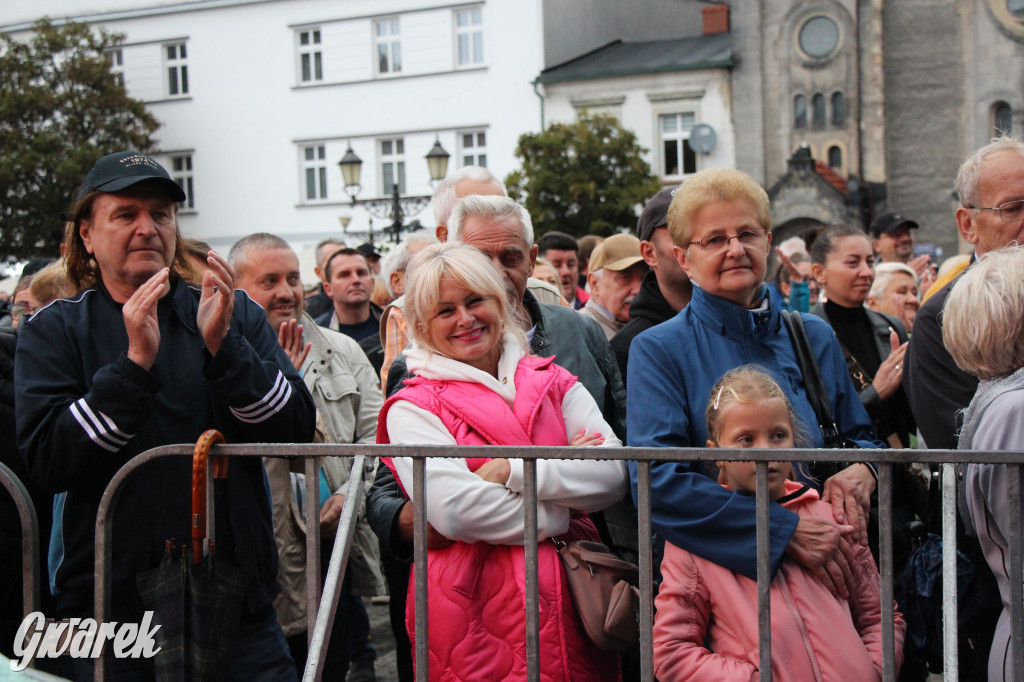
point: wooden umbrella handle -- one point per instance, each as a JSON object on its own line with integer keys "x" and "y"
{"x": 200, "y": 460}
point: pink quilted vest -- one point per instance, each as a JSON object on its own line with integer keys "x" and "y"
{"x": 476, "y": 591}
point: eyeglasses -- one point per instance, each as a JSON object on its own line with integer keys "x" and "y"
{"x": 1010, "y": 212}
{"x": 20, "y": 312}
{"x": 720, "y": 242}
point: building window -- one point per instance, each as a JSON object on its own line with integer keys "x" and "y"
{"x": 181, "y": 173}
{"x": 818, "y": 37}
{"x": 392, "y": 165}
{"x": 311, "y": 67}
{"x": 469, "y": 36}
{"x": 389, "y": 46}
{"x": 799, "y": 111}
{"x": 1002, "y": 119}
{"x": 835, "y": 158}
{"x": 314, "y": 169}
{"x": 115, "y": 60}
{"x": 677, "y": 156}
{"x": 474, "y": 149}
{"x": 838, "y": 109}
{"x": 177, "y": 69}
{"x": 818, "y": 110}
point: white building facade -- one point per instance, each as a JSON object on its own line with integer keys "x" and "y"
{"x": 259, "y": 99}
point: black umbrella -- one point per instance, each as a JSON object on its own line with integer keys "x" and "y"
{"x": 196, "y": 597}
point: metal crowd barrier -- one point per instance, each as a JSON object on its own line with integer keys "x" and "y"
{"x": 320, "y": 625}
{"x": 29, "y": 538}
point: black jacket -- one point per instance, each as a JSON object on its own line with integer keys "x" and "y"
{"x": 648, "y": 309}
{"x": 937, "y": 389}
{"x": 893, "y": 414}
{"x": 84, "y": 409}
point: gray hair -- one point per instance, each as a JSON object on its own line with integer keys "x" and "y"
{"x": 969, "y": 175}
{"x": 444, "y": 195}
{"x": 883, "y": 275}
{"x": 491, "y": 209}
{"x": 397, "y": 259}
{"x": 259, "y": 240}
{"x": 318, "y": 254}
{"x": 983, "y": 317}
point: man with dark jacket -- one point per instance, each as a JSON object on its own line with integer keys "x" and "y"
{"x": 666, "y": 289}
{"x": 140, "y": 359}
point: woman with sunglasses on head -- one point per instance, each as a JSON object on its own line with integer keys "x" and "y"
{"x": 720, "y": 224}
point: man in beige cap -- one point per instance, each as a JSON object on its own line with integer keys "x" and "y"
{"x": 617, "y": 270}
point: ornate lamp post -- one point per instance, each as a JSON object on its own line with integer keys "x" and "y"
{"x": 395, "y": 207}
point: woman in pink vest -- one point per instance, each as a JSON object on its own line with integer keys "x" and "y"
{"x": 476, "y": 384}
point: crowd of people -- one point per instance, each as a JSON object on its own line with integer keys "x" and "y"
{"x": 482, "y": 333}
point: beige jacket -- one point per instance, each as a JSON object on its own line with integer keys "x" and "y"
{"x": 348, "y": 398}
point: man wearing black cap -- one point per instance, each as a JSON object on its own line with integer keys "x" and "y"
{"x": 666, "y": 289}
{"x": 372, "y": 256}
{"x": 894, "y": 241}
{"x": 140, "y": 359}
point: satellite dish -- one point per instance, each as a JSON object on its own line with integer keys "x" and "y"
{"x": 702, "y": 138}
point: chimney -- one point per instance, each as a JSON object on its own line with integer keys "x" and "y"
{"x": 716, "y": 19}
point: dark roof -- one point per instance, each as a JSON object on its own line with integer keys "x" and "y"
{"x": 657, "y": 56}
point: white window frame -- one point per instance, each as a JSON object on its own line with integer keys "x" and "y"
{"x": 310, "y": 55}
{"x": 115, "y": 60}
{"x": 181, "y": 173}
{"x": 469, "y": 37}
{"x": 679, "y": 136}
{"x": 475, "y": 153}
{"x": 391, "y": 44}
{"x": 392, "y": 162}
{"x": 313, "y": 159}
{"x": 176, "y": 68}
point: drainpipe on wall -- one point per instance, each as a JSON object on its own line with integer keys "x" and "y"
{"x": 541, "y": 97}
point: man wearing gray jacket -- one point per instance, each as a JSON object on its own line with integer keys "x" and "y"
{"x": 347, "y": 395}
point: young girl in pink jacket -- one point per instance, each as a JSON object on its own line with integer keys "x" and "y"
{"x": 706, "y": 624}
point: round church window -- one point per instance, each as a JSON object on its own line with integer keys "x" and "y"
{"x": 819, "y": 37}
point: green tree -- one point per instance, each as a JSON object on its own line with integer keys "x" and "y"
{"x": 61, "y": 109}
{"x": 582, "y": 177}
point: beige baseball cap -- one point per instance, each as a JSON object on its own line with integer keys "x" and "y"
{"x": 616, "y": 253}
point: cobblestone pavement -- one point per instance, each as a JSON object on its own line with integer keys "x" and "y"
{"x": 383, "y": 641}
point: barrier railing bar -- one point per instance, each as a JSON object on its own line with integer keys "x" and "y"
{"x": 30, "y": 594}
{"x": 311, "y": 469}
{"x": 764, "y": 578}
{"x": 531, "y": 548}
{"x": 646, "y": 559}
{"x": 886, "y": 571}
{"x": 645, "y": 456}
{"x": 950, "y": 644}
{"x": 338, "y": 564}
{"x": 419, "y": 565}
{"x": 1016, "y": 508}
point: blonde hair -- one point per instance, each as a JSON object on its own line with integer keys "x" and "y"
{"x": 983, "y": 317}
{"x": 749, "y": 384}
{"x": 883, "y": 275}
{"x": 51, "y": 283}
{"x": 709, "y": 186}
{"x": 464, "y": 265}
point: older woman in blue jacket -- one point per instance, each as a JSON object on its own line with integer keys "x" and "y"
{"x": 720, "y": 225}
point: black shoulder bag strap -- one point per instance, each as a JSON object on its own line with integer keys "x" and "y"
{"x": 817, "y": 394}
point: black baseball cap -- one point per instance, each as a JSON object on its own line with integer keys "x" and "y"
{"x": 887, "y": 223}
{"x": 121, "y": 170}
{"x": 655, "y": 214}
{"x": 368, "y": 250}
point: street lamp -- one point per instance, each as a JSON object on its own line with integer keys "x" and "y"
{"x": 395, "y": 207}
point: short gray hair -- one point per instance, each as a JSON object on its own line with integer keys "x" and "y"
{"x": 397, "y": 259}
{"x": 259, "y": 240}
{"x": 983, "y": 317}
{"x": 969, "y": 175}
{"x": 444, "y": 195}
{"x": 883, "y": 275}
{"x": 318, "y": 254}
{"x": 491, "y": 209}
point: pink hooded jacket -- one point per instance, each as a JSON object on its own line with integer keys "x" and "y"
{"x": 815, "y": 636}
{"x": 476, "y": 590}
